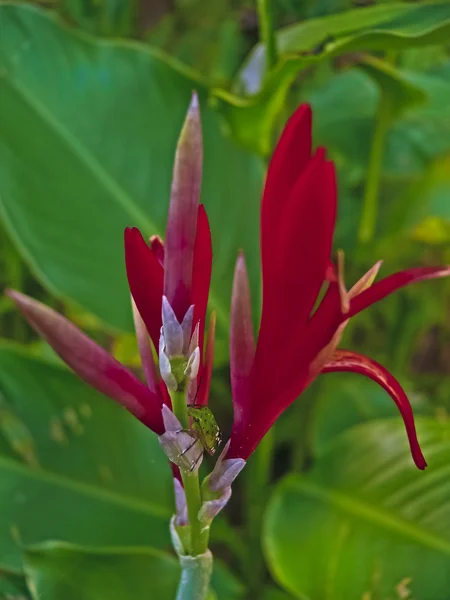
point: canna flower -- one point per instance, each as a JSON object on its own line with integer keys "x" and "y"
{"x": 296, "y": 341}
{"x": 169, "y": 286}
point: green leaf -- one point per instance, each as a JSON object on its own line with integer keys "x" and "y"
{"x": 344, "y": 109}
{"x": 108, "y": 18}
{"x": 13, "y": 585}
{"x": 88, "y": 148}
{"x": 272, "y": 593}
{"x": 424, "y": 133}
{"x": 423, "y": 207}
{"x": 382, "y": 27}
{"x": 365, "y": 521}
{"x": 402, "y": 93}
{"x": 346, "y": 400}
{"x": 55, "y": 571}
{"x": 73, "y": 465}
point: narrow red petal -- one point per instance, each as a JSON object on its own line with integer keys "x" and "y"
{"x": 91, "y": 362}
{"x": 145, "y": 351}
{"x": 157, "y": 247}
{"x": 242, "y": 343}
{"x": 330, "y": 274}
{"x": 290, "y": 157}
{"x": 306, "y": 237}
{"x": 182, "y": 220}
{"x": 205, "y": 374}
{"x": 201, "y": 275}
{"x": 294, "y": 374}
{"x": 345, "y": 360}
{"x": 392, "y": 283}
{"x": 248, "y": 433}
{"x": 145, "y": 278}
{"x": 301, "y": 262}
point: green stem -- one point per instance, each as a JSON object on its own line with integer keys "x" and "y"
{"x": 199, "y": 535}
{"x": 195, "y": 576}
{"x": 370, "y": 206}
{"x": 267, "y": 32}
{"x": 257, "y": 484}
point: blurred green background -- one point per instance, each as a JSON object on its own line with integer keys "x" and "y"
{"x": 92, "y": 97}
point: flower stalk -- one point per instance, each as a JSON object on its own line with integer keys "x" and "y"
{"x": 195, "y": 576}
{"x": 370, "y": 203}
{"x": 297, "y": 339}
{"x": 267, "y": 32}
{"x": 199, "y": 536}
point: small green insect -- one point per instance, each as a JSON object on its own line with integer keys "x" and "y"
{"x": 205, "y": 431}
{"x": 204, "y": 427}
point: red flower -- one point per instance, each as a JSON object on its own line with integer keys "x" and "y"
{"x": 295, "y": 343}
{"x": 180, "y": 271}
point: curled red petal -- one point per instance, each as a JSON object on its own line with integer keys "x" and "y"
{"x": 91, "y": 362}
{"x": 242, "y": 343}
{"x": 182, "y": 220}
{"x": 344, "y": 360}
{"x": 392, "y": 283}
{"x": 145, "y": 278}
{"x": 201, "y": 275}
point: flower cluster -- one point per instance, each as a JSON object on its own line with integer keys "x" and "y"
{"x": 297, "y": 340}
{"x": 298, "y": 334}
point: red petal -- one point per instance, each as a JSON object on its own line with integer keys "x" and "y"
{"x": 242, "y": 343}
{"x": 91, "y": 362}
{"x": 302, "y": 259}
{"x": 201, "y": 275}
{"x": 344, "y": 360}
{"x": 145, "y": 351}
{"x": 306, "y": 237}
{"x": 330, "y": 274}
{"x": 206, "y": 372}
{"x": 145, "y": 278}
{"x": 293, "y": 377}
{"x": 388, "y": 285}
{"x": 290, "y": 157}
{"x": 182, "y": 220}
{"x": 157, "y": 247}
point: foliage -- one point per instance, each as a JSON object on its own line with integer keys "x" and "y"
{"x": 92, "y": 99}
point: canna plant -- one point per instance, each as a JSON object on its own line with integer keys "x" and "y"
{"x": 297, "y": 339}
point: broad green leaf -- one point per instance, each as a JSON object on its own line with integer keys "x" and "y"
{"x": 55, "y": 571}
{"x": 273, "y": 593}
{"x": 74, "y": 466}
{"x": 109, "y": 18}
{"x": 12, "y": 585}
{"x": 402, "y": 93}
{"x": 394, "y": 26}
{"x": 382, "y": 27}
{"x": 423, "y": 207}
{"x": 345, "y": 400}
{"x": 344, "y": 109}
{"x": 425, "y": 131}
{"x": 88, "y": 148}
{"x": 365, "y": 522}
